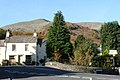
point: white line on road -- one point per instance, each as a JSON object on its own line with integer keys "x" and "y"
{"x": 74, "y": 76}
{"x": 64, "y": 76}
{"x": 107, "y": 79}
{"x": 101, "y": 78}
{"x": 90, "y": 78}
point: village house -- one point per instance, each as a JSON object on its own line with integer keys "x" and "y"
{"x": 22, "y": 48}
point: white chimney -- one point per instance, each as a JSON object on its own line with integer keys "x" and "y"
{"x": 35, "y": 34}
{"x": 7, "y": 34}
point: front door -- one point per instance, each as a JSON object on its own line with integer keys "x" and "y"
{"x": 28, "y": 59}
{"x": 19, "y": 58}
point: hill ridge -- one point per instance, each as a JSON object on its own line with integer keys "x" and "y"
{"x": 88, "y": 29}
{"x": 40, "y": 23}
{"x": 29, "y": 26}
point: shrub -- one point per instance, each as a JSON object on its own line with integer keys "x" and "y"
{"x": 102, "y": 61}
{"x": 5, "y": 62}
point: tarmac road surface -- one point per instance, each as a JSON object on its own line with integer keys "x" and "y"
{"x": 46, "y": 73}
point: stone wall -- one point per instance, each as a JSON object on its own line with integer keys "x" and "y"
{"x": 82, "y": 69}
{"x": 69, "y": 67}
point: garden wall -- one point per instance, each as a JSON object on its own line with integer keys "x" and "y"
{"x": 81, "y": 68}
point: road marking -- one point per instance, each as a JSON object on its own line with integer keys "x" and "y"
{"x": 74, "y": 76}
{"x": 64, "y": 76}
{"x": 101, "y": 78}
{"x": 106, "y": 79}
{"x": 90, "y": 78}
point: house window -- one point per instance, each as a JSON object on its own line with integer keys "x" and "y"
{"x": 13, "y": 47}
{"x": 26, "y": 47}
{"x": 11, "y": 57}
{"x": 28, "y": 58}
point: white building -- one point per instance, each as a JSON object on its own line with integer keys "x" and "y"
{"x": 22, "y": 49}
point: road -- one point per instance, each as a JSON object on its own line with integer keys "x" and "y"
{"x": 46, "y": 73}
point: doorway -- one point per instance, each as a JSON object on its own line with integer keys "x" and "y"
{"x": 19, "y": 58}
{"x": 28, "y": 59}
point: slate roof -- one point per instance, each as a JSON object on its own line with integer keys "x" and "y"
{"x": 20, "y": 39}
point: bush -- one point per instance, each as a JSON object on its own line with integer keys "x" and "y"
{"x": 33, "y": 63}
{"x": 14, "y": 63}
{"x": 102, "y": 61}
{"x": 5, "y": 62}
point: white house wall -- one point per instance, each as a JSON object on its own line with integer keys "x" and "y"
{"x": 20, "y": 50}
{"x": 2, "y": 54}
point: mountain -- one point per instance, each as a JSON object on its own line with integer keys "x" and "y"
{"x": 40, "y": 24}
{"x": 88, "y": 29}
{"x": 28, "y": 26}
{"x": 91, "y": 25}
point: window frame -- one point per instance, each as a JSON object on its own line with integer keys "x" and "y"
{"x": 13, "y": 47}
{"x": 11, "y": 57}
{"x": 26, "y": 47}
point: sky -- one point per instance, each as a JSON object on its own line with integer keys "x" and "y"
{"x": 13, "y": 11}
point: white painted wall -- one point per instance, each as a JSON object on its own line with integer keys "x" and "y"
{"x": 20, "y": 50}
{"x": 2, "y": 54}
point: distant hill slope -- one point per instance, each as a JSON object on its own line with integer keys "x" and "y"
{"x": 91, "y": 25}
{"x": 28, "y": 26}
{"x": 40, "y": 24}
{"x": 88, "y": 29}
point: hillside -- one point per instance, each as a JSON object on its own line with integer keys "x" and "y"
{"x": 28, "y": 26}
{"x": 88, "y": 29}
{"x": 91, "y": 25}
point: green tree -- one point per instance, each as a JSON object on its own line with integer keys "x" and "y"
{"x": 2, "y": 34}
{"x": 58, "y": 19}
{"x": 84, "y": 51}
{"x": 110, "y": 36}
{"x": 58, "y": 42}
{"x": 80, "y": 39}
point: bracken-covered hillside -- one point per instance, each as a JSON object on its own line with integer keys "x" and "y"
{"x": 88, "y": 29}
